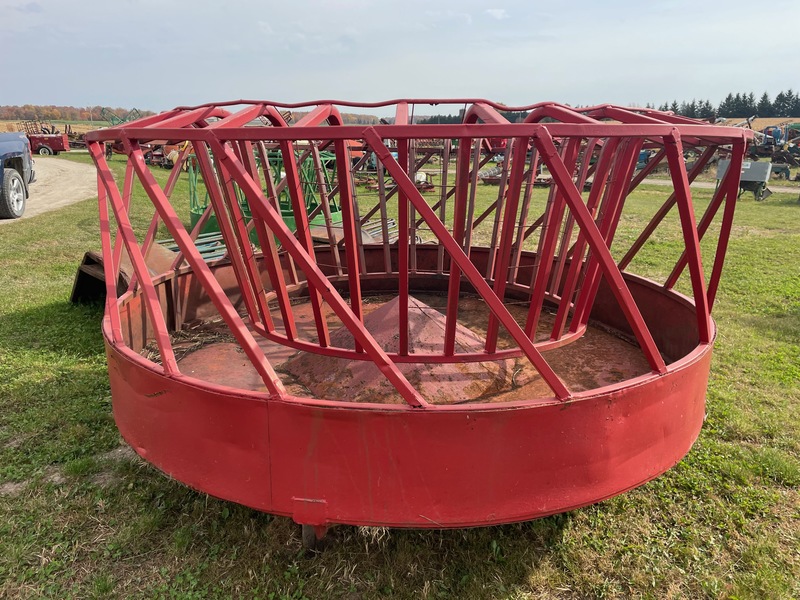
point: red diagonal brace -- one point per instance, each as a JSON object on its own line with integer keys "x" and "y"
{"x": 563, "y": 179}
{"x": 205, "y": 276}
{"x": 315, "y": 277}
{"x": 674, "y": 148}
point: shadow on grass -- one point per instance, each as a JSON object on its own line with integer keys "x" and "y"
{"x": 264, "y": 552}
{"x": 54, "y": 399}
{"x": 61, "y": 327}
{"x": 782, "y": 326}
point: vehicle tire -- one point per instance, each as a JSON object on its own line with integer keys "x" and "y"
{"x": 44, "y": 150}
{"x": 12, "y": 196}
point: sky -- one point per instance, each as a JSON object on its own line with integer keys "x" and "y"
{"x": 158, "y": 54}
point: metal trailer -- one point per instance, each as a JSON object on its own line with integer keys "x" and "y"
{"x": 45, "y": 139}
{"x": 754, "y": 177}
{"x": 507, "y": 369}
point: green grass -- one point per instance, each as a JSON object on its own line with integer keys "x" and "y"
{"x": 82, "y": 518}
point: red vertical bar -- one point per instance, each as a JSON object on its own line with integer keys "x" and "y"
{"x": 401, "y": 118}
{"x": 387, "y": 255}
{"x": 269, "y": 248}
{"x": 473, "y": 190}
{"x": 507, "y": 237}
{"x": 547, "y": 243}
{"x": 412, "y": 226}
{"x": 303, "y": 233}
{"x": 402, "y": 254}
{"x": 523, "y": 217}
{"x": 349, "y": 231}
{"x": 566, "y": 238}
{"x": 272, "y": 196}
{"x": 242, "y": 233}
{"x": 498, "y": 203}
{"x": 127, "y": 192}
{"x": 324, "y": 202}
{"x": 459, "y": 216}
{"x": 443, "y": 201}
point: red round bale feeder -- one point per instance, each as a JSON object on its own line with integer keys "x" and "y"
{"x": 452, "y": 353}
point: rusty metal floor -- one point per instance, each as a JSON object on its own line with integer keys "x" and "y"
{"x": 595, "y": 360}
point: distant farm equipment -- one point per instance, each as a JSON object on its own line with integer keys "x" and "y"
{"x": 754, "y": 177}
{"x": 113, "y": 118}
{"x": 45, "y": 138}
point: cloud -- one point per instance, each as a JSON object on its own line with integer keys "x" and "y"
{"x": 449, "y": 15}
{"x": 30, "y": 7}
{"x": 497, "y": 13}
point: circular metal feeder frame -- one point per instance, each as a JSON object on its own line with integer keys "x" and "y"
{"x": 451, "y": 354}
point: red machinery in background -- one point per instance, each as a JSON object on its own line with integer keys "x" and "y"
{"x": 45, "y": 139}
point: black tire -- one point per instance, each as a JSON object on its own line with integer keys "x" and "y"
{"x": 12, "y": 196}
{"x": 44, "y": 150}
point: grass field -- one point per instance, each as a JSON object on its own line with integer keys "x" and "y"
{"x": 82, "y": 517}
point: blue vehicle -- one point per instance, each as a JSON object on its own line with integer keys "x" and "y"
{"x": 16, "y": 174}
{"x": 644, "y": 158}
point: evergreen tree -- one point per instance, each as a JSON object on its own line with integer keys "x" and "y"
{"x": 750, "y": 104}
{"x": 764, "y": 106}
{"x": 674, "y": 107}
{"x": 781, "y": 107}
{"x": 791, "y": 100}
{"x": 706, "y": 110}
{"x": 738, "y": 106}
{"x": 726, "y": 107}
{"x": 795, "y": 109}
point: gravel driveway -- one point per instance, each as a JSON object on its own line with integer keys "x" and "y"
{"x": 58, "y": 183}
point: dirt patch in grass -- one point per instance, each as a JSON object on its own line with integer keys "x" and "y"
{"x": 12, "y": 488}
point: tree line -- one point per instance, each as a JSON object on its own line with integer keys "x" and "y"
{"x": 739, "y": 105}
{"x": 33, "y": 112}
